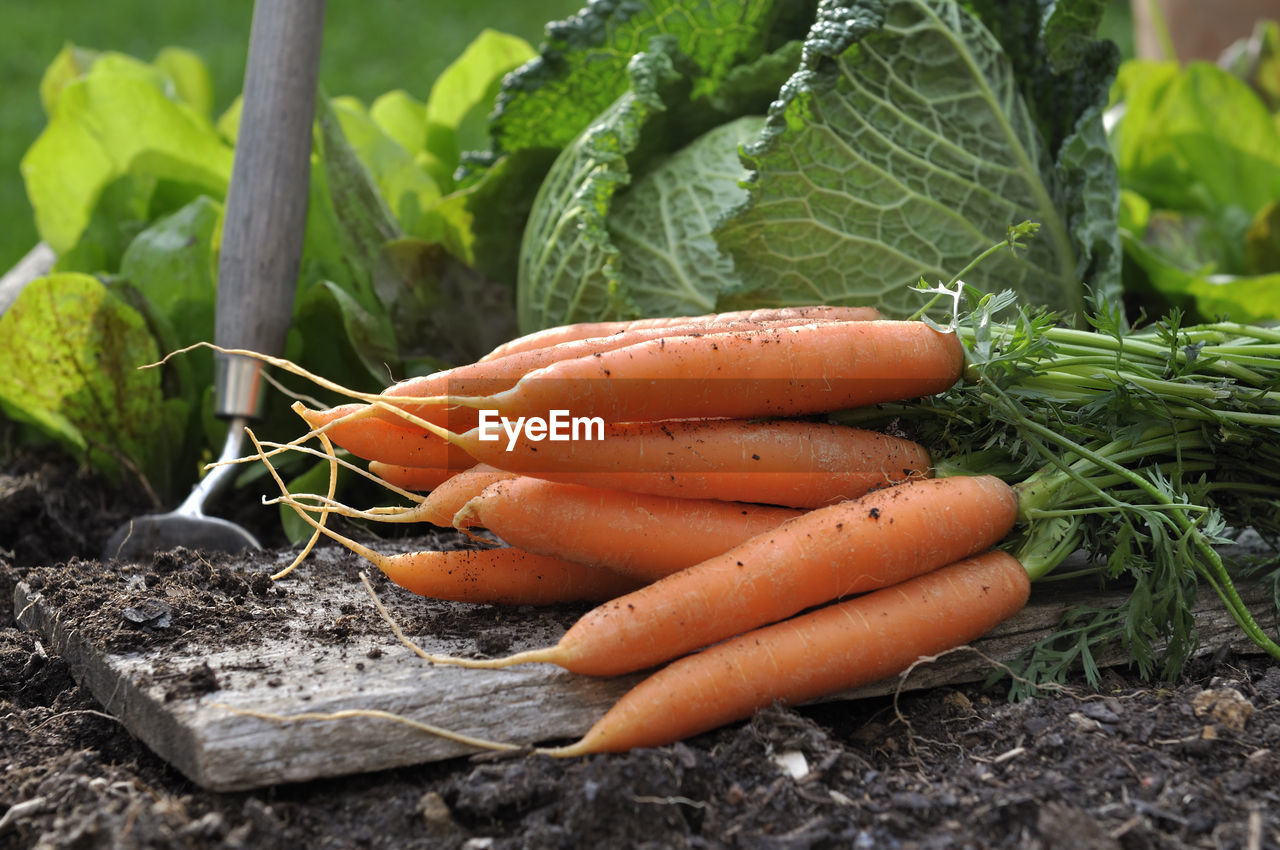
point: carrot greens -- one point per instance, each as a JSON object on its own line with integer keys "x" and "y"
{"x": 1143, "y": 447}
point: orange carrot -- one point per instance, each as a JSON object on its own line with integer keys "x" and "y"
{"x": 781, "y": 462}
{"x": 492, "y": 376}
{"x": 475, "y": 380}
{"x": 835, "y": 648}
{"x": 437, "y": 507}
{"x": 446, "y": 500}
{"x": 388, "y": 442}
{"x": 775, "y": 371}
{"x": 647, "y": 537}
{"x": 882, "y": 539}
{"x": 492, "y": 576}
{"x": 586, "y": 330}
{"x": 423, "y": 478}
{"x": 498, "y": 577}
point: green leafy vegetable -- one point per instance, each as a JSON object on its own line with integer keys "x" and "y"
{"x": 663, "y": 224}
{"x": 911, "y": 135}
{"x": 71, "y": 351}
{"x": 401, "y": 184}
{"x": 127, "y": 182}
{"x": 1200, "y": 149}
{"x": 463, "y": 95}
{"x": 173, "y": 263}
{"x": 583, "y": 67}
{"x": 732, "y": 56}
{"x": 1195, "y": 139}
{"x": 1138, "y": 447}
{"x": 1256, "y": 60}
{"x": 568, "y": 263}
{"x": 119, "y": 118}
{"x": 904, "y": 146}
{"x": 1262, "y": 241}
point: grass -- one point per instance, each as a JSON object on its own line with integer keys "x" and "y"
{"x": 369, "y": 48}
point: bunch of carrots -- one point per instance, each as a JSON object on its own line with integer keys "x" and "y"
{"x": 762, "y": 552}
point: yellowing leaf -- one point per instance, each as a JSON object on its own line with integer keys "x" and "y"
{"x": 71, "y": 352}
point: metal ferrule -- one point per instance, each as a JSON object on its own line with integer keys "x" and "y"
{"x": 238, "y": 385}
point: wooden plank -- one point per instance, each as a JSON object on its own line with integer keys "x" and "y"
{"x": 268, "y": 656}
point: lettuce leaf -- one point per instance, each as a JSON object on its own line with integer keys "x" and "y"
{"x": 400, "y": 299}
{"x": 1201, "y": 291}
{"x": 71, "y": 351}
{"x": 119, "y": 119}
{"x": 457, "y": 111}
{"x": 407, "y": 190}
{"x": 1195, "y": 139}
{"x": 1199, "y": 157}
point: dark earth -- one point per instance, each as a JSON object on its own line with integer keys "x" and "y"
{"x": 1191, "y": 763}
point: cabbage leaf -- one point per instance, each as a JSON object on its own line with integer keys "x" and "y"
{"x": 730, "y": 53}
{"x": 903, "y": 147}
{"x": 568, "y": 262}
{"x": 903, "y": 138}
{"x": 662, "y": 225}
{"x": 583, "y": 67}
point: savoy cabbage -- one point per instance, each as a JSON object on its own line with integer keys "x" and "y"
{"x": 902, "y": 137}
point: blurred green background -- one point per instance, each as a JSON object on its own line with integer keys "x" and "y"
{"x": 369, "y": 48}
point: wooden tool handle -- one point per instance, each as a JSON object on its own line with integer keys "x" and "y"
{"x": 267, "y": 202}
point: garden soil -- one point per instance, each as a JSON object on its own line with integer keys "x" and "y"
{"x": 1191, "y": 763}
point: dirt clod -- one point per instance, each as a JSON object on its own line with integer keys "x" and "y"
{"x": 1225, "y": 706}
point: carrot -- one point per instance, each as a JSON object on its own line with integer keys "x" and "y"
{"x": 501, "y": 373}
{"x": 437, "y": 507}
{"x": 842, "y": 646}
{"x": 446, "y": 500}
{"x": 586, "y": 330}
{"x": 782, "y": 462}
{"x": 388, "y": 442}
{"x": 644, "y": 536}
{"x": 498, "y": 577}
{"x": 884, "y": 538}
{"x": 776, "y": 371}
{"x": 423, "y": 478}
{"x": 376, "y": 442}
{"x": 491, "y": 576}
{"x": 813, "y": 655}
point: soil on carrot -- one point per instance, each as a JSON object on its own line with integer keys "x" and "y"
{"x": 1193, "y": 763}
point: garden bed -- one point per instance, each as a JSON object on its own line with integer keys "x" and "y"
{"x": 1192, "y": 763}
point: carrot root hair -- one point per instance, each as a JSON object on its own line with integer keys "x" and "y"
{"x": 292, "y": 368}
{"x": 371, "y": 714}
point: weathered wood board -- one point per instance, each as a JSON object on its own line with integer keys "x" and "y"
{"x": 173, "y": 693}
